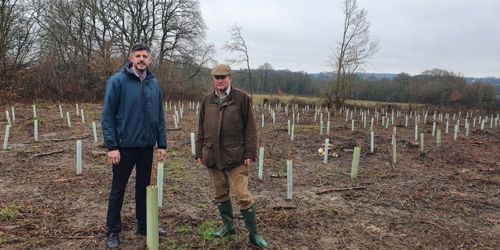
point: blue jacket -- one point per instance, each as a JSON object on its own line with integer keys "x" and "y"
{"x": 133, "y": 111}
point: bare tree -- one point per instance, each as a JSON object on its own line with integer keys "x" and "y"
{"x": 17, "y": 32}
{"x": 134, "y": 21}
{"x": 195, "y": 61}
{"x": 73, "y": 46}
{"x": 180, "y": 44}
{"x": 238, "y": 45}
{"x": 264, "y": 71}
{"x": 181, "y": 27}
{"x": 352, "y": 52}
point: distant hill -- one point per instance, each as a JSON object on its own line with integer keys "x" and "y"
{"x": 492, "y": 80}
{"x": 378, "y": 76}
{"x": 325, "y": 75}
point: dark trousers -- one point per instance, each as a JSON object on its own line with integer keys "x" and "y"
{"x": 142, "y": 158}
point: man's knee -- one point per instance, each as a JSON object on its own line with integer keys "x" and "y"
{"x": 244, "y": 204}
{"x": 221, "y": 196}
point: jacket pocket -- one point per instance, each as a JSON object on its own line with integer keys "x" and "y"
{"x": 207, "y": 154}
{"x": 233, "y": 155}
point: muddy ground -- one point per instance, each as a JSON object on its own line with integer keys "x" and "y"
{"x": 446, "y": 198}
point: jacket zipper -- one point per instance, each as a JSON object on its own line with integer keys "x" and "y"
{"x": 144, "y": 111}
{"x": 221, "y": 115}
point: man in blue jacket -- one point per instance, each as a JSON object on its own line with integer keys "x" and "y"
{"x": 133, "y": 122}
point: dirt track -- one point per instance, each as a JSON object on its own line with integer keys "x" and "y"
{"x": 447, "y": 198}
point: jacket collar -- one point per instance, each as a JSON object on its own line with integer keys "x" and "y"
{"x": 229, "y": 99}
{"x": 126, "y": 69}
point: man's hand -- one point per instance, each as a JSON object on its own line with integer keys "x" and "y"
{"x": 248, "y": 162}
{"x": 162, "y": 154}
{"x": 199, "y": 161}
{"x": 114, "y": 157}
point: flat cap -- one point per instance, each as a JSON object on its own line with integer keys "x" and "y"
{"x": 221, "y": 70}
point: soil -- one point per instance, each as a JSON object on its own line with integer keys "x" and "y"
{"x": 447, "y": 197}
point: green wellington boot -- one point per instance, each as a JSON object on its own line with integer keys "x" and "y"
{"x": 250, "y": 222}
{"x": 226, "y": 212}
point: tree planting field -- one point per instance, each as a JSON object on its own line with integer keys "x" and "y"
{"x": 447, "y": 197}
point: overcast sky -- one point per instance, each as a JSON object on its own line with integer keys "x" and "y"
{"x": 462, "y": 36}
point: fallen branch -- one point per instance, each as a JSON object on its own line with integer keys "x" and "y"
{"x": 284, "y": 207}
{"x": 329, "y": 190}
{"x": 71, "y": 237}
{"x": 96, "y": 153}
{"x": 379, "y": 192}
{"x": 174, "y": 129}
{"x": 277, "y": 176}
{"x": 48, "y": 153}
{"x": 65, "y": 179}
{"x": 412, "y": 144}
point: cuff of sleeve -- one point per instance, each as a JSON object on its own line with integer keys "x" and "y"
{"x": 112, "y": 148}
{"x": 162, "y": 147}
{"x": 253, "y": 157}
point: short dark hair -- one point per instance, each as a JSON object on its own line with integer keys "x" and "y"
{"x": 139, "y": 47}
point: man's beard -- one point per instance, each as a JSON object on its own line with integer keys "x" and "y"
{"x": 141, "y": 70}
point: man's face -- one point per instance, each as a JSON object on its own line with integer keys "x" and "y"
{"x": 141, "y": 60}
{"x": 221, "y": 83}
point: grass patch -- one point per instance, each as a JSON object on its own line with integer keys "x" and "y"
{"x": 9, "y": 212}
{"x": 40, "y": 121}
{"x": 206, "y": 229}
{"x": 172, "y": 244}
{"x": 4, "y": 239}
{"x": 174, "y": 188}
{"x": 184, "y": 229}
{"x": 373, "y": 104}
{"x": 286, "y": 99}
{"x": 203, "y": 205}
{"x": 308, "y": 128}
{"x": 176, "y": 171}
{"x": 173, "y": 153}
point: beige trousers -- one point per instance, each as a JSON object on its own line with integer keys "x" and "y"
{"x": 235, "y": 179}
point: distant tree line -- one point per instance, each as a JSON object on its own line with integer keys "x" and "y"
{"x": 270, "y": 81}
{"x": 438, "y": 87}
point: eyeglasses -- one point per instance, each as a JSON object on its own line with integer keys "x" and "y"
{"x": 220, "y": 77}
